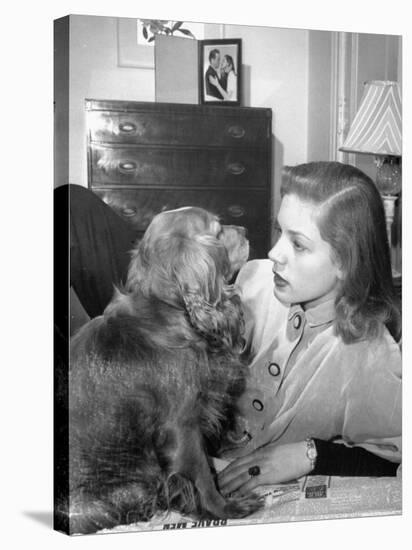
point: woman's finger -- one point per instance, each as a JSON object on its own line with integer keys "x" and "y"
{"x": 229, "y": 481}
{"x": 242, "y": 462}
{"x": 245, "y": 482}
{"x": 234, "y": 482}
{"x": 227, "y": 476}
{"x": 252, "y": 483}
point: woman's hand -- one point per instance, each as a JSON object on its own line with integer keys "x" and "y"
{"x": 213, "y": 80}
{"x": 277, "y": 463}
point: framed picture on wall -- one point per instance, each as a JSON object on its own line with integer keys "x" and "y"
{"x": 220, "y": 71}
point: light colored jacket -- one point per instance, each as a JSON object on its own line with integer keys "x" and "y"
{"x": 330, "y": 390}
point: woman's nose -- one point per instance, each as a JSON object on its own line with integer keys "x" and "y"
{"x": 276, "y": 254}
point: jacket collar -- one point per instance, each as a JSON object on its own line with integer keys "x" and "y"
{"x": 315, "y": 316}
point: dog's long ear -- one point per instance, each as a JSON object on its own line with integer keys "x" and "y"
{"x": 190, "y": 272}
{"x": 201, "y": 266}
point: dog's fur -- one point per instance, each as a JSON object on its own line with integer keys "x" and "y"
{"x": 153, "y": 381}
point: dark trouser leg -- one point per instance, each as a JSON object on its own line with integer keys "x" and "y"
{"x": 100, "y": 242}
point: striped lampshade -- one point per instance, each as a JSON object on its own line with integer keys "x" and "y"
{"x": 377, "y": 126}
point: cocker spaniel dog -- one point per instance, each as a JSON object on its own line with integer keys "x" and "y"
{"x": 153, "y": 381}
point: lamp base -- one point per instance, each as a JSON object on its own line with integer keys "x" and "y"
{"x": 389, "y": 175}
{"x": 389, "y": 206}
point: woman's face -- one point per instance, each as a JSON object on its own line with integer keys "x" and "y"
{"x": 304, "y": 271}
{"x": 225, "y": 66}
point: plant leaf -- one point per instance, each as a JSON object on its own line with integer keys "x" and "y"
{"x": 187, "y": 32}
{"x": 145, "y": 32}
{"x": 177, "y": 25}
{"x": 151, "y": 38}
{"x": 155, "y": 26}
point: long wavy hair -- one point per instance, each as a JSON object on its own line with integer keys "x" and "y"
{"x": 351, "y": 219}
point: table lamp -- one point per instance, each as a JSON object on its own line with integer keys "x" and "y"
{"x": 377, "y": 130}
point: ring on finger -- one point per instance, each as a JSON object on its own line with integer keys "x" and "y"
{"x": 254, "y": 471}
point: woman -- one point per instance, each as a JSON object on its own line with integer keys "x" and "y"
{"x": 324, "y": 394}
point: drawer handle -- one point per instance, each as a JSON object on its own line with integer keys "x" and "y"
{"x": 128, "y": 212}
{"x": 236, "y": 132}
{"x": 127, "y": 127}
{"x": 236, "y": 168}
{"x": 127, "y": 166}
{"x": 236, "y": 211}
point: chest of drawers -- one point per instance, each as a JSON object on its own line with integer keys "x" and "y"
{"x": 144, "y": 158}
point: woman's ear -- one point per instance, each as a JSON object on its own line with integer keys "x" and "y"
{"x": 340, "y": 274}
{"x": 338, "y": 265}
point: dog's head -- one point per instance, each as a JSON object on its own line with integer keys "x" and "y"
{"x": 186, "y": 259}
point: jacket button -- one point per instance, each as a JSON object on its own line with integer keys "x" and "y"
{"x": 258, "y": 405}
{"x": 274, "y": 369}
{"x": 297, "y": 321}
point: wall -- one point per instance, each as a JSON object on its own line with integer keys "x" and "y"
{"x": 287, "y": 70}
{"x": 61, "y": 101}
{"x": 275, "y": 75}
{"x": 320, "y": 90}
{"x": 94, "y": 73}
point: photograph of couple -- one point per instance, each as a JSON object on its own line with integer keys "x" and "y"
{"x": 221, "y": 73}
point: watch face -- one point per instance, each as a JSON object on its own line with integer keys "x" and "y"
{"x": 312, "y": 453}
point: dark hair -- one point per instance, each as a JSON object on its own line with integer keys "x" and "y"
{"x": 229, "y": 59}
{"x": 213, "y": 53}
{"x": 352, "y": 220}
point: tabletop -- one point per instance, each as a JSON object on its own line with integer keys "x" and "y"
{"x": 309, "y": 498}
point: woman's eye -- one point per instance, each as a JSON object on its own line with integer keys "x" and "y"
{"x": 298, "y": 246}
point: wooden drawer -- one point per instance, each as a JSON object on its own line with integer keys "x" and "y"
{"x": 156, "y": 166}
{"x": 178, "y": 128}
{"x": 247, "y": 208}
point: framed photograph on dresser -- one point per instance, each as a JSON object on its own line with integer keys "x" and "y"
{"x": 220, "y": 71}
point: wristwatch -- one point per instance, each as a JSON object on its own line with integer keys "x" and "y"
{"x": 311, "y": 452}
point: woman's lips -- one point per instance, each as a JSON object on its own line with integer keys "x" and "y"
{"x": 279, "y": 281}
